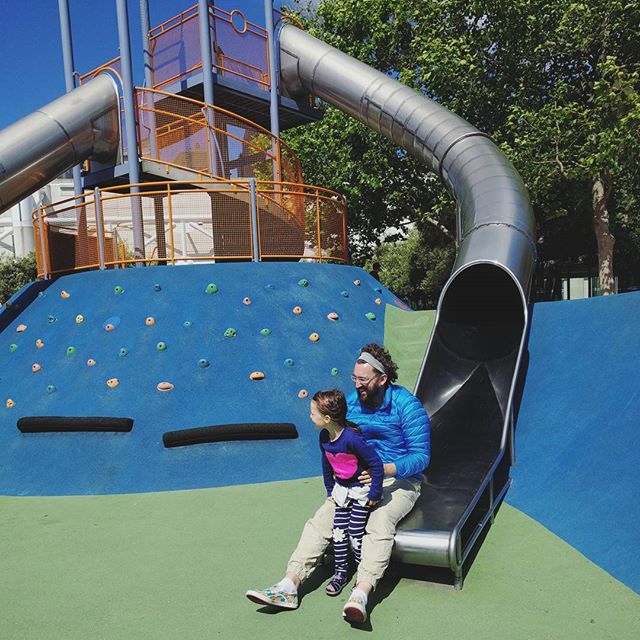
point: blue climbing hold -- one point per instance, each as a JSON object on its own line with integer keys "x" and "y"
{"x": 203, "y": 363}
{"x": 289, "y": 362}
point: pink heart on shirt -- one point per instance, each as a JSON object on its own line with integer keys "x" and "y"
{"x": 344, "y": 464}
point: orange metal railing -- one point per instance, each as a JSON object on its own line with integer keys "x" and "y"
{"x": 183, "y": 222}
{"x": 210, "y": 141}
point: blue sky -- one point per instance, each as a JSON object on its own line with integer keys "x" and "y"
{"x": 31, "y": 68}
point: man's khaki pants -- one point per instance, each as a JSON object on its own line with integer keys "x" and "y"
{"x": 398, "y": 498}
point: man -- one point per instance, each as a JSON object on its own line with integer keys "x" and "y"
{"x": 395, "y": 423}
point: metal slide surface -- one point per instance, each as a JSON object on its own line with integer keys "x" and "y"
{"x": 82, "y": 124}
{"x": 470, "y": 370}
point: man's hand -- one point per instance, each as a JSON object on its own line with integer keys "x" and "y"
{"x": 389, "y": 471}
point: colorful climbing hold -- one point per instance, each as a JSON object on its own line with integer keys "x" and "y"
{"x": 41, "y": 294}
{"x": 157, "y": 287}
{"x": 150, "y": 321}
{"x": 35, "y": 367}
{"x": 334, "y": 371}
{"x": 378, "y": 289}
{"x": 12, "y": 347}
{"x": 357, "y": 283}
{"x": 303, "y": 282}
{"x": 51, "y": 388}
{"x": 164, "y": 386}
{"x": 289, "y": 362}
{"x": 39, "y": 343}
{"x": 246, "y": 300}
{"x": 333, "y": 316}
{"x": 161, "y": 346}
{"x": 344, "y": 294}
{"x": 51, "y": 319}
{"x": 65, "y": 294}
{"x": 10, "y": 403}
{"x": 314, "y": 337}
{"x": 71, "y": 350}
{"x": 211, "y": 288}
{"x": 297, "y": 310}
{"x": 378, "y": 300}
{"x": 123, "y": 352}
{"x": 265, "y": 332}
{"x": 269, "y": 286}
{"x": 112, "y": 383}
{"x": 118, "y": 290}
{"x": 109, "y": 327}
{"x": 20, "y": 328}
{"x": 303, "y": 393}
{"x": 370, "y": 315}
{"x": 256, "y": 375}
{"x": 91, "y": 362}
{"x": 186, "y": 324}
{"x": 203, "y": 363}
{"x": 79, "y": 319}
{"x": 230, "y": 333}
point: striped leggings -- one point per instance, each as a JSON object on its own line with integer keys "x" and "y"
{"x": 348, "y": 529}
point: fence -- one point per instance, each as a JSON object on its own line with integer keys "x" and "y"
{"x": 183, "y": 223}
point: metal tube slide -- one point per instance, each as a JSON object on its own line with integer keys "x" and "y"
{"x": 469, "y": 373}
{"x": 82, "y": 124}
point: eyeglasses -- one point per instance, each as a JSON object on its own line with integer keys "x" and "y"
{"x": 362, "y": 379}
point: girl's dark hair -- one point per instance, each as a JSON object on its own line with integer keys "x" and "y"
{"x": 383, "y": 356}
{"x": 332, "y": 403}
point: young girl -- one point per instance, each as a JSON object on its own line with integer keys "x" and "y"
{"x": 345, "y": 454}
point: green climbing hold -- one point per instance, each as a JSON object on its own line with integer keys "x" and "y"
{"x": 230, "y": 333}
{"x": 211, "y": 288}
{"x": 265, "y": 332}
{"x": 370, "y": 315}
{"x": 123, "y": 352}
{"x": 303, "y": 282}
{"x": 118, "y": 290}
{"x": 12, "y": 347}
{"x": 161, "y": 346}
{"x": 334, "y": 371}
{"x": 71, "y": 351}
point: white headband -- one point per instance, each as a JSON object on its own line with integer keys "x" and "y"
{"x": 365, "y": 356}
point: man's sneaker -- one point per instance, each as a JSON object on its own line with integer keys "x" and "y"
{"x": 355, "y": 610}
{"x": 274, "y": 596}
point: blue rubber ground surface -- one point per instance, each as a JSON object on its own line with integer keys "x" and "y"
{"x": 577, "y": 439}
{"x": 249, "y": 298}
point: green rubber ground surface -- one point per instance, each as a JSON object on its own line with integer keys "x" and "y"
{"x": 176, "y": 565}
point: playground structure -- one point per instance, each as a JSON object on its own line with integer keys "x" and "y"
{"x": 216, "y": 185}
{"x": 210, "y": 185}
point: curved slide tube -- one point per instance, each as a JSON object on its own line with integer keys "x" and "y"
{"x": 82, "y": 124}
{"x": 469, "y": 373}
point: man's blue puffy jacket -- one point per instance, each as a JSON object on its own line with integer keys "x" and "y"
{"x": 398, "y": 429}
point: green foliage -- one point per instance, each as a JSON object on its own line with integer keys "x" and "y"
{"x": 554, "y": 82}
{"x": 15, "y": 273}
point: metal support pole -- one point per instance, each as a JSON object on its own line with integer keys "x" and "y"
{"x": 254, "y": 219}
{"x": 207, "y": 78}
{"x": 145, "y": 23}
{"x": 69, "y": 78}
{"x": 43, "y": 253}
{"x": 130, "y": 124}
{"x": 273, "y": 87}
{"x": 99, "y": 226}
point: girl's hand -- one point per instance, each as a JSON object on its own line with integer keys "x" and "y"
{"x": 372, "y": 503}
{"x": 330, "y": 499}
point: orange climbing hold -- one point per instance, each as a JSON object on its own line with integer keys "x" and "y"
{"x": 246, "y": 300}
{"x": 164, "y": 386}
{"x": 20, "y": 328}
{"x": 39, "y": 343}
{"x": 303, "y": 393}
{"x": 91, "y": 362}
{"x": 109, "y": 327}
{"x": 378, "y": 300}
{"x": 297, "y": 310}
{"x": 112, "y": 383}
{"x": 35, "y": 367}
{"x": 150, "y": 321}
{"x": 256, "y": 375}
{"x": 10, "y": 403}
{"x": 356, "y": 282}
{"x": 314, "y": 337}
{"x": 333, "y": 316}
{"x": 79, "y": 319}
{"x": 64, "y": 294}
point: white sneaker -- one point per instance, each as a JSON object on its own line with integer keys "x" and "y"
{"x": 355, "y": 610}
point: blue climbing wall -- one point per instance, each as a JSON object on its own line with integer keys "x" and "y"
{"x": 218, "y": 324}
{"x": 578, "y": 435}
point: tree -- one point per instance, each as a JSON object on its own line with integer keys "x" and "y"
{"x": 554, "y": 82}
{"x": 15, "y": 273}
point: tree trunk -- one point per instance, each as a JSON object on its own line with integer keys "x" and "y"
{"x": 600, "y": 191}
